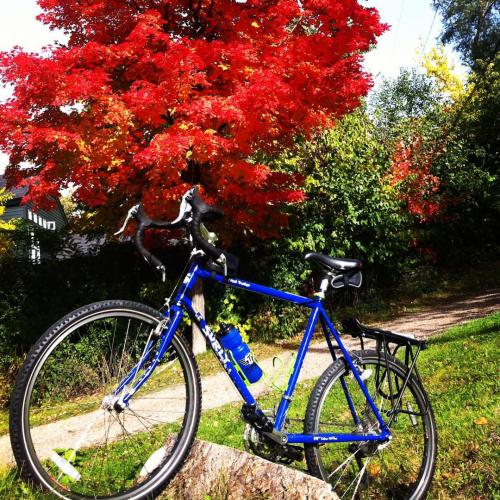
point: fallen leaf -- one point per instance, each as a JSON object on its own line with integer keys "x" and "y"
{"x": 374, "y": 469}
{"x": 481, "y": 421}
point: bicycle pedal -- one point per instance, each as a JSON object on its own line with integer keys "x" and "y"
{"x": 295, "y": 453}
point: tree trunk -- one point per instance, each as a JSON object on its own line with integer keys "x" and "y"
{"x": 216, "y": 471}
{"x": 199, "y": 343}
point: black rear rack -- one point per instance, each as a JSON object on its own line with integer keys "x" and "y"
{"x": 384, "y": 339}
{"x": 352, "y": 326}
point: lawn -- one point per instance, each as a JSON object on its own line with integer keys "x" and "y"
{"x": 460, "y": 373}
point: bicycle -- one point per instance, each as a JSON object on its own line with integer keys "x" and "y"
{"x": 108, "y": 401}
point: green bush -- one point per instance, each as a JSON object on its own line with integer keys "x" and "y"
{"x": 272, "y": 322}
{"x": 351, "y": 209}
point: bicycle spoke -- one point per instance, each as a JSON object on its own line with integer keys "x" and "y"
{"x": 360, "y": 476}
{"x": 141, "y": 421}
{"x": 105, "y": 450}
{"x": 345, "y": 463}
{"x": 128, "y": 436}
{"x": 123, "y": 351}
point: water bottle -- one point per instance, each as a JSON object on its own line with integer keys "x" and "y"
{"x": 231, "y": 340}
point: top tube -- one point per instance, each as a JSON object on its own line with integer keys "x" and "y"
{"x": 256, "y": 288}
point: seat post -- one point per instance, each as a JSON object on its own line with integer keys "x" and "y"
{"x": 323, "y": 287}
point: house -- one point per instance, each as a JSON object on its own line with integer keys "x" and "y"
{"x": 51, "y": 220}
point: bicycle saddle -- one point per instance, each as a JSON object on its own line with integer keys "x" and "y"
{"x": 333, "y": 263}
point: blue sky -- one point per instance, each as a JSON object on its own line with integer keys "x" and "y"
{"x": 414, "y": 26}
{"x": 413, "y": 22}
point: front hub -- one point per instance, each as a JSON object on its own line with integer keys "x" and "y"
{"x": 111, "y": 402}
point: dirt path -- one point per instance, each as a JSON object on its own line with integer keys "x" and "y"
{"x": 440, "y": 317}
{"x": 218, "y": 390}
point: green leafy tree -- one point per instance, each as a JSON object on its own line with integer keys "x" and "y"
{"x": 471, "y": 26}
{"x": 476, "y": 123}
{"x": 351, "y": 210}
{"x": 5, "y": 227}
{"x": 479, "y": 116}
{"x": 470, "y": 152}
{"x": 445, "y": 156}
{"x": 400, "y": 104}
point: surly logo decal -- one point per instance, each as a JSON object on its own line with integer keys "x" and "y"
{"x": 219, "y": 350}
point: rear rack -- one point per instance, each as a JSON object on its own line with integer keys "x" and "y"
{"x": 353, "y": 327}
{"x": 384, "y": 339}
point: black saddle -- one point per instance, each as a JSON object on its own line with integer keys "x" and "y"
{"x": 334, "y": 264}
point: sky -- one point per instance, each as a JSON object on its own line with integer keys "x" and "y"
{"x": 413, "y": 26}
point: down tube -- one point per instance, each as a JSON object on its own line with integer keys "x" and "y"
{"x": 219, "y": 352}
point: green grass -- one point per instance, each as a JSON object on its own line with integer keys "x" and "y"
{"x": 460, "y": 373}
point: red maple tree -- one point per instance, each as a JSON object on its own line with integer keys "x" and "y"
{"x": 151, "y": 96}
{"x": 411, "y": 169}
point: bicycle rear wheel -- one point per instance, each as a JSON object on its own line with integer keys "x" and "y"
{"x": 401, "y": 468}
{"x": 67, "y": 432}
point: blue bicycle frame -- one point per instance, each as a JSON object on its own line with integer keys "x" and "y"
{"x": 183, "y": 303}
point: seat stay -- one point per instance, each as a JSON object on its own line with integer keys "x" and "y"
{"x": 332, "y": 330}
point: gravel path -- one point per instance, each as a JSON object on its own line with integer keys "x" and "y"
{"x": 218, "y": 390}
{"x": 441, "y": 317}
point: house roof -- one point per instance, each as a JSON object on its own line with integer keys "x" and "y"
{"x": 18, "y": 193}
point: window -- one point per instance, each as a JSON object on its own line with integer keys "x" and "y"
{"x": 34, "y": 248}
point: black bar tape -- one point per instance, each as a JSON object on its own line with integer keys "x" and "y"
{"x": 144, "y": 220}
{"x": 148, "y": 256}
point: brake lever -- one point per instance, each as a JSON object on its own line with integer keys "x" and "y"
{"x": 131, "y": 213}
{"x": 185, "y": 207}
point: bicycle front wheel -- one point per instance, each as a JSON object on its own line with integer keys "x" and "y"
{"x": 68, "y": 433}
{"x": 403, "y": 467}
